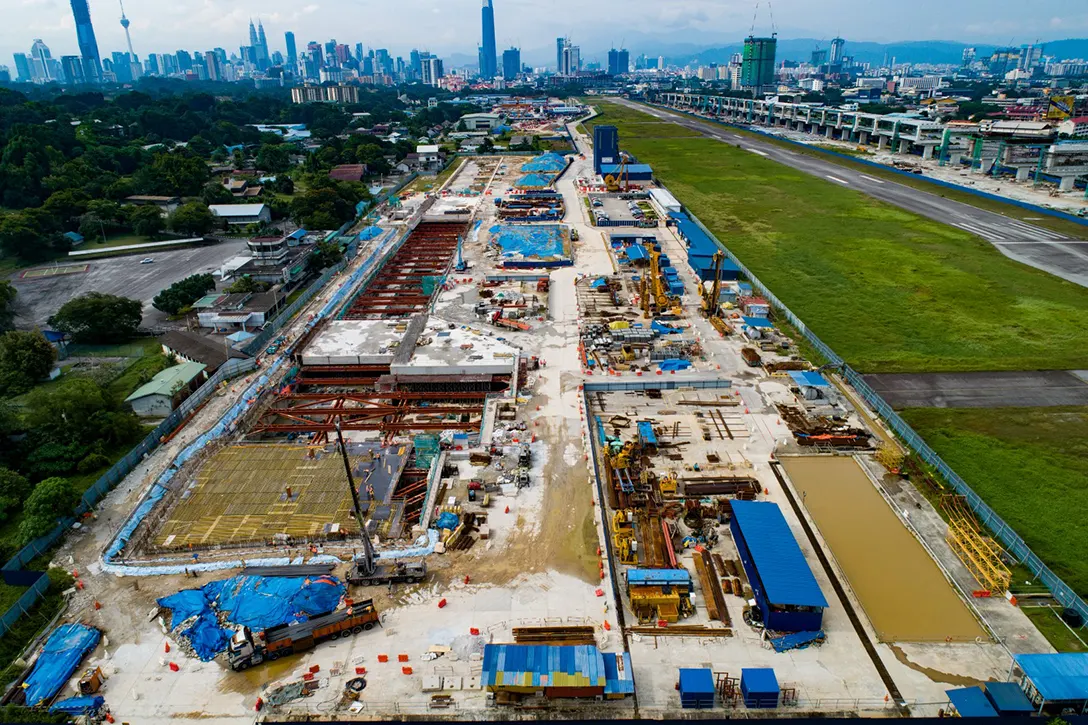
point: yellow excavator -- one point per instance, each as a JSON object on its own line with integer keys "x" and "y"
{"x": 618, "y": 181}
{"x": 623, "y": 536}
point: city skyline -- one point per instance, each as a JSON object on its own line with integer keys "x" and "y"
{"x": 454, "y": 29}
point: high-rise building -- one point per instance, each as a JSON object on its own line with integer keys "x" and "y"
{"x": 560, "y": 45}
{"x": 122, "y": 67}
{"x": 1030, "y": 57}
{"x": 292, "y": 50}
{"x": 88, "y": 45}
{"x": 383, "y": 62}
{"x": 23, "y": 73}
{"x": 432, "y": 70}
{"x": 819, "y": 57}
{"x": 619, "y": 62}
{"x": 5, "y": 74}
{"x": 211, "y": 63}
{"x": 416, "y": 64}
{"x": 511, "y": 64}
{"x": 758, "y": 65}
{"x": 72, "y": 65}
{"x": 253, "y": 39}
{"x": 968, "y": 56}
{"x": 488, "y": 60}
{"x": 42, "y": 63}
{"x": 572, "y": 60}
{"x": 262, "y": 46}
{"x": 838, "y": 45}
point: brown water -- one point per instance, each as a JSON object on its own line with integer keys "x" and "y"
{"x": 900, "y": 587}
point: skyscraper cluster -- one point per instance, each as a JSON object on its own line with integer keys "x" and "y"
{"x": 568, "y": 58}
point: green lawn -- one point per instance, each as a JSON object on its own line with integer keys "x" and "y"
{"x": 114, "y": 240}
{"x": 1070, "y": 228}
{"x": 1031, "y": 466}
{"x": 427, "y": 183}
{"x": 890, "y": 291}
{"x": 1057, "y": 632}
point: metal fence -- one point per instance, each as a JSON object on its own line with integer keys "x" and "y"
{"x": 22, "y": 606}
{"x": 1012, "y": 541}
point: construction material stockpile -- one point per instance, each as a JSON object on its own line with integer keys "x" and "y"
{"x": 60, "y": 657}
{"x": 257, "y": 602}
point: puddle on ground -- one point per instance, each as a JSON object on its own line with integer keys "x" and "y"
{"x": 935, "y": 675}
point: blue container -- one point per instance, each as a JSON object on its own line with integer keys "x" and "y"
{"x": 696, "y": 688}
{"x": 759, "y": 687}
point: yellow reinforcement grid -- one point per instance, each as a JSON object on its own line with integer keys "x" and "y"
{"x": 241, "y": 495}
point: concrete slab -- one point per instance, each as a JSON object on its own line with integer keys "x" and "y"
{"x": 1043, "y": 388}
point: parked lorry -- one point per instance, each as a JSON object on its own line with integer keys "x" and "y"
{"x": 247, "y": 648}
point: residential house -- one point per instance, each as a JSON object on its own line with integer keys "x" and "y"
{"x": 159, "y": 396}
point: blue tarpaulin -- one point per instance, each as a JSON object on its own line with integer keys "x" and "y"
{"x": 541, "y": 241}
{"x": 661, "y": 329}
{"x": 81, "y": 705}
{"x": 370, "y": 233}
{"x": 534, "y": 181}
{"x": 598, "y": 283}
{"x": 809, "y": 379}
{"x": 637, "y": 253}
{"x": 797, "y": 640}
{"x": 675, "y": 364}
{"x": 253, "y": 601}
{"x": 760, "y": 323}
{"x": 447, "y": 520}
{"x": 646, "y": 433}
{"x": 550, "y": 162}
{"x": 60, "y": 657}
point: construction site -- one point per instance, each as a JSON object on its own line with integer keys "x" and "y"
{"x": 514, "y": 462}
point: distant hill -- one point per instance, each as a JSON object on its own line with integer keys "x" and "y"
{"x": 914, "y": 51}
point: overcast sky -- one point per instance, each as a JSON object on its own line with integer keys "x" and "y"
{"x": 453, "y": 26}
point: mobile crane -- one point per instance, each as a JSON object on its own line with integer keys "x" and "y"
{"x": 365, "y": 569}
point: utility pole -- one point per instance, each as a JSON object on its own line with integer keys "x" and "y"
{"x": 351, "y": 480}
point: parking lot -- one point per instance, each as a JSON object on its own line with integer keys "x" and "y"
{"x": 617, "y": 209}
{"x": 41, "y": 296}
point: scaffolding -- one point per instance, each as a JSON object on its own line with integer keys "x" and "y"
{"x": 979, "y": 553}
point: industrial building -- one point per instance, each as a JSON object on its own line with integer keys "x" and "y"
{"x": 788, "y": 596}
{"x": 238, "y": 214}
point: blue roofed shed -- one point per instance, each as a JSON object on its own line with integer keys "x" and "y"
{"x": 760, "y": 323}
{"x": 619, "y": 676}
{"x": 1008, "y": 699}
{"x": 556, "y": 671}
{"x": 784, "y": 586}
{"x": 1055, "y": 679}
{"x": 696, "y": 688}
{"x": 971, "y": 702}
{"x": 634, "y": 172}
{"x": 637, "y": 253}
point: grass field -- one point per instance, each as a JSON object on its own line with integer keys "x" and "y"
{"x": 428, "y": 183}
{"x": 1063, "y": 226}
{"x": 1031, "y": 466}
{"x": 890, "y": 291}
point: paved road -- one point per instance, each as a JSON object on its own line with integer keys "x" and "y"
{"x": 982, "y": 390}
{"x": 1035, "y": 246}
{"x": 41, "y": 297}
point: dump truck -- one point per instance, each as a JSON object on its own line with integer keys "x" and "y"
{"x": 247, "y": 648}
{"x": 751, "y": 357}
{"x": 366, "y": 571}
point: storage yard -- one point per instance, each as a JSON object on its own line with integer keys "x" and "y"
{"x": 517, "y": 463}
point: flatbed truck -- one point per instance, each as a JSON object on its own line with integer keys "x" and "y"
{"x": 247, "y": 648}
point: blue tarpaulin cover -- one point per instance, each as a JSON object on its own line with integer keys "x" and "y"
{"x": 80, "y": 705}
{"x": 253, "y": 601}
{"x": 796, "y": 640}
{"x": 1007, "y": 698}
{"x": 534, "y": 181}
{"x": 60, "y": 657}
{"x": 809, "y": 378}
{"x": 971, "y": 702}
{"x": 550, "y": 161}
{"x": 541, "y": 241}
{"x": 661, "y": 329}
{"x": 760, "y": 323}
{"x": 637, "y": 253}
{"x": 370, "y": 233}
{"x": 598, "y": 283}
{"x": 447, "y": 520}
{"x": 676, "y": 364}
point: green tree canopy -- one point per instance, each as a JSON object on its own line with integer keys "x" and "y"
{"x": 96, "y": 317}
{"x": 7, "y": 304}
{"x": 25, "y": 358}
{"x": 183, "y": 293}
{"x": 193, "y": 218}
{"x": 13, "y": 491}
{"x": 51, "y": 500}
{"x": 147, "y": 221}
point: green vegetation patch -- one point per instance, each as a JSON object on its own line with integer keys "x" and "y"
{"x": 1030, "y": 465}
{"x": 889, "y": 290}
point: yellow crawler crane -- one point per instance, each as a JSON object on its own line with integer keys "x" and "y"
{"x": 623, "y": 537}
